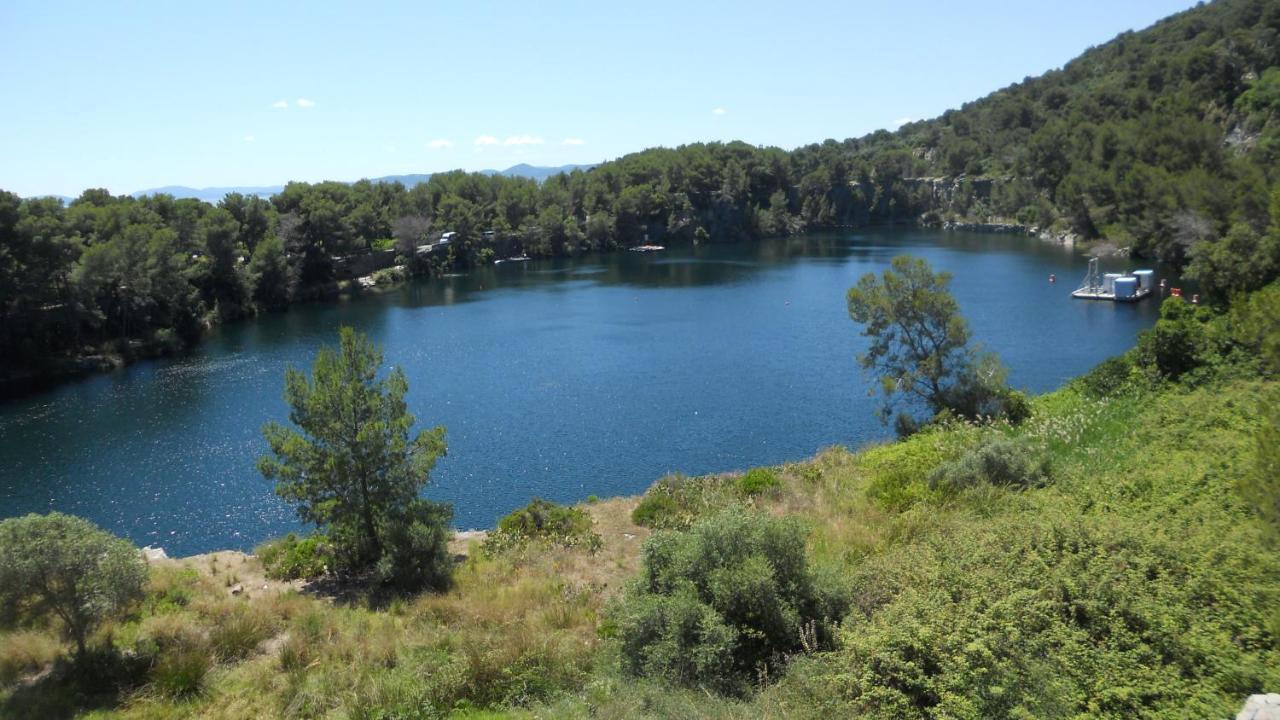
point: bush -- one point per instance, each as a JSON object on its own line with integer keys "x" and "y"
{"x": 1181, "y": 341}
{"x": 676, "y": 501}
{"x": 996, "y": 461}
{"x": 237, "y": 634}
{"x": 656, "y": 510}
{"x": 292, "y": 557}
{"x": 416, "y": 556}
{"x": 1053, "y": 616}
{"x": 544, "y": 520}
{"x": 180, "y": 671}
{"x": 1255, "y": 324}
{"x": 1017, "y": 407}
{"x": 66, "y": 566}
{"x": 1109, "y": 377}
{"x": 758, "y": 481}
{"x": 898, "y": 472}
{"x": 718, "y": 603}
{"x": 169, "y": 590}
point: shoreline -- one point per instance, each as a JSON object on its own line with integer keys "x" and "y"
{"x": 108, "y": 357}
{"x": 157, "y": 553}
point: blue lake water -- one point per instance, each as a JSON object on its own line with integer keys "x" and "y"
{"x": 557, "y": 379}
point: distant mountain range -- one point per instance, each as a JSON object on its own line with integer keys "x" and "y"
{"x": 214, "y": 194}
{"x": 210, "y": 194}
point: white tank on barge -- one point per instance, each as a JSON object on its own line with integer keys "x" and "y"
{"x": 1116, "y": 287}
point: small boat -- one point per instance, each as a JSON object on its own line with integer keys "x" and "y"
{"x": 1116, "y": 287}
{"x": 648, "y": 248}
{"x": 517, "y": 258}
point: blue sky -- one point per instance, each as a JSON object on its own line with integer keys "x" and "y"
{"x": 141, "y": 94}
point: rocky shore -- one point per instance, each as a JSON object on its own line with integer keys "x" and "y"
{"x": 1065, "y": 238}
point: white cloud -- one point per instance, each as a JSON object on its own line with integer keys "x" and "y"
{"x": 305, "y": 103}
{"x": 523, "y": 140}
{"x": 280, "y": 104}
{"x": 719, "y": 111}
{"x": 902, "y": 121}
{"x": 440, "y": 144}
{"x": 249, "y": 138}
{"x": 573, "y": 141}
{"x": 486, "y": 140}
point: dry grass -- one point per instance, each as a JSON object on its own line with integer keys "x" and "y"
{"x": 26, "y": 652}
{"x": 516, "y": 629}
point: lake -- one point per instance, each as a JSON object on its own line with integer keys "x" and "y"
{"x": 557, "y": 379}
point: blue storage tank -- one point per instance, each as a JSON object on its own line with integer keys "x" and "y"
{"x": 1146, "y": 279}
{"x": 1126, "y": 288}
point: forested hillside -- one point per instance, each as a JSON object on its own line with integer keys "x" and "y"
{"x": 1164, "y": 141}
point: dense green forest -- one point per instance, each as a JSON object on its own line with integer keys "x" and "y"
{"x": 1164, "y": 141}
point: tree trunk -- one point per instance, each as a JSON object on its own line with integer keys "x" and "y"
{"x": 81, "y": 643}
{"x": 366, "y": 513}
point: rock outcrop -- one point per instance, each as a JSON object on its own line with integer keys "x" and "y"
{"x": 1261, "y": 707}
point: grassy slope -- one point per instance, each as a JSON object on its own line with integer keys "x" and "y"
{"x": 1133, "y": 585}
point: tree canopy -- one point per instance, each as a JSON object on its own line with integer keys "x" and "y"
{"x": 919, "y": 344}
{"x": 70, "y": 568}
{"x": 350, "y": 466}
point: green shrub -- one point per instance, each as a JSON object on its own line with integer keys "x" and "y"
{"x": 676, "y": 501}
{"x": 758, "y": 481}
{"x": 810, "y": 473}
{"x": 1255, "y": 325}
{"x": 997, "y": 461}
{"x": 416, "y": 555}
{"x": 1110, "y": 377}
{"x": 170, "y": 590}
{"x": 66, "y": 567}
{"x": 1053, "y": 616}
{"x": 180, "y": 671}
{"x": 656, "y": 510}
{"x": 1016, "y": 407}
{"x": 1182, "y": 340}
{"x": 716, "y": 604}
{"x": 898, "y": 472}
{"x": 292, "y": 557}
{"x": 544, "y": 520}
{"x": 390, "y": 275}
{"x": 1260, "y": 487}
{"x": 237, "y": 634}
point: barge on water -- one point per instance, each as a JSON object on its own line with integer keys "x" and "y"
{"x": 1116, "y": 287}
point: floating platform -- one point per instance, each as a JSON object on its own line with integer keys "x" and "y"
{"x": 1088, "y": 294}
{"x": 1116, "y": 287}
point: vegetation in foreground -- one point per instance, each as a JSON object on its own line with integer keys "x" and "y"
{"x": 1113, "y": 555}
